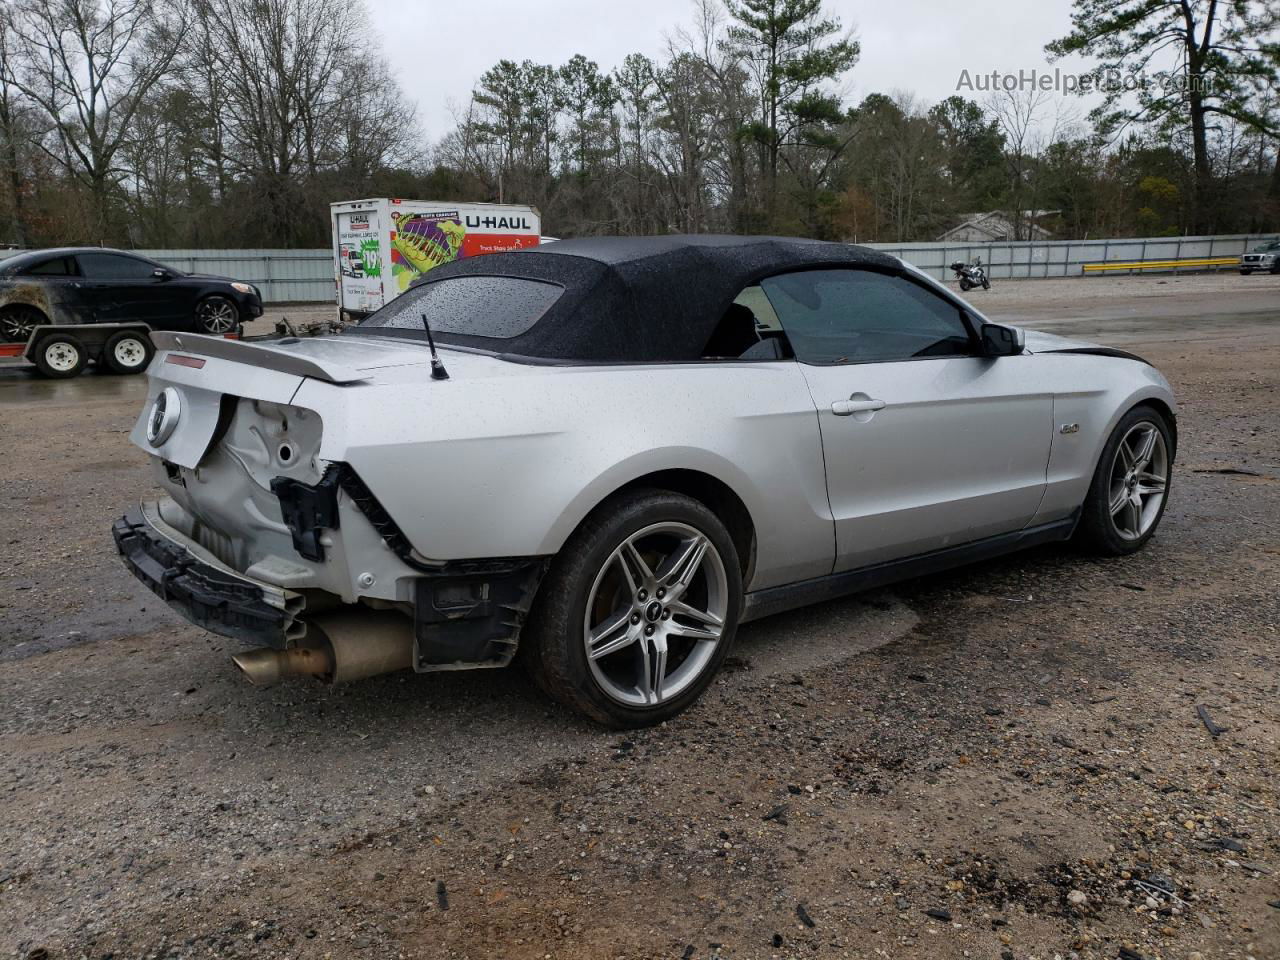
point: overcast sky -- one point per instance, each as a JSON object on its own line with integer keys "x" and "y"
{"x": 438, "y": 50}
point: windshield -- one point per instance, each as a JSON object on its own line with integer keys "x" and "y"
{"x": 497, "y": 308}
{"x": 1264, "y": 247}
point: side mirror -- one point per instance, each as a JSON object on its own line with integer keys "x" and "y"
{"x": 1001, "y": 341}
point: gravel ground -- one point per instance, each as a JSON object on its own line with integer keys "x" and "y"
{"x": 1003, "y": 761}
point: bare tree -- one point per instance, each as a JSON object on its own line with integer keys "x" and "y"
{"x": 88, "y": 66}
{"x": 11, "y": 129}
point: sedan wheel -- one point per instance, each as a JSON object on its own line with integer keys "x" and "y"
{"x": 638, "y": 610}
{"x": 17, "y": 322}
{"x": 1130, "y": 485}
{"x": 217, "y": 315}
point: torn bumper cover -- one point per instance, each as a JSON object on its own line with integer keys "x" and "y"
{"x": 202, "y": 589}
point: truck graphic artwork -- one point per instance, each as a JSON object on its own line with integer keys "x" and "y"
{"x": 422, "y": 241}
{"x": 381, "y": 246}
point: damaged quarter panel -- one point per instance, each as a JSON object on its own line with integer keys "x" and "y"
{"x": 59, "y": 299}
{"x": 505, "y": 459}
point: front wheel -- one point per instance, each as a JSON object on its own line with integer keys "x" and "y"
{"x": 1130, "y": 484}
{"x": 217, "y": 315}
{"x": 1245, "y": 273}
{"x": 986, "y": 284}
{"x": 638, "y": 611}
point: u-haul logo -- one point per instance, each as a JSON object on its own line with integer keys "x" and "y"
{"x": 358, "y": 221}
{"x": 475, "y": 221}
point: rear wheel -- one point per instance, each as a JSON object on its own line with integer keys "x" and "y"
{"x": 217, "y": 315}
{"x": 129, "y": 351}
{"x": 966, "y": 284}
{"x": 60, "y": 356}
{"x": 17, "y": 322}
{"x": 1130, "y": 485}
{"x": 638, "y": 611}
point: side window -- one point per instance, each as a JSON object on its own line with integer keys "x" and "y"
{"x": 754, "y": 299}
{"x": 858, "y": 316}
{"x": 55, "y": 267}
{"x": 113, "y": 266}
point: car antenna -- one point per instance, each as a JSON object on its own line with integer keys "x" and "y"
{"x": 438, "y": 372}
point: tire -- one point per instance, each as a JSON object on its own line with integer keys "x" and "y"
{"x": 986, "y": 284}
{"x": 1245, "y": 273}
{"x": 965, "y": 284}
{"x": 128, "y": 352}
{"x": 17, "y": 322}
{"x": 217, "y": 315}
{"x": 1275, "y": 267}
{"x": 622, "y": 688}
{"x": 60, "y": 356}
{"x": 1109, "y": 523}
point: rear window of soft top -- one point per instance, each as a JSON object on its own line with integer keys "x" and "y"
{"x": 497, "y": 308}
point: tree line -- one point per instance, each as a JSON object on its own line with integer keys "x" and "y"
{"x": 234, "y": 123}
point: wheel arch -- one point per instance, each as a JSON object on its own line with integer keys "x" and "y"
{"x": 1166, "y": 411}
{"x": 700, "y": 482}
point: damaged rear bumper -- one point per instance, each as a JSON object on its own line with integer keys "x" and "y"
{"x": 201, "y": 588}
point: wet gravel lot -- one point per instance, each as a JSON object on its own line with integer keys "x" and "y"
{"x": 1009, "y": 760}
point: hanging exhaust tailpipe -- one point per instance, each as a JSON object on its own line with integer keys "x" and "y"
{"x": 338, "y": 648}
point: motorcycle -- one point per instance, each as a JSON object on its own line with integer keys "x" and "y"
{"x": 971, "y": 275}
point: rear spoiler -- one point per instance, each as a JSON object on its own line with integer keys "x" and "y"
{"x": 256, "y": 355}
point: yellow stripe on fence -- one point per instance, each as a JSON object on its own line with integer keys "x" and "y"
{"x": 1162, "y": 264}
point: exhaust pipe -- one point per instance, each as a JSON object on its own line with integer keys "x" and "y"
{"x": 339, "y": 648}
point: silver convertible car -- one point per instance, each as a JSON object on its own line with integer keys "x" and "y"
{"x": 604, "y": 455}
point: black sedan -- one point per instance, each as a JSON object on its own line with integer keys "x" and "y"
{"x": 112, "y": 299}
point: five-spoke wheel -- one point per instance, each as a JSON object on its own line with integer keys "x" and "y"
{"x": 655, "y": 614}
{"x": 1131, "y": 484}
{"x": 1139, "y": 476}
{"x": 638, "y": 610}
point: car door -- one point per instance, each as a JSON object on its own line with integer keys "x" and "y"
{"x": 127, "y": 289}
{"x": 927, "y": 443}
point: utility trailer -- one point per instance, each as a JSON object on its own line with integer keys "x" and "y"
{"x": 381, "y": 246}
{"x": 62, "y": 351}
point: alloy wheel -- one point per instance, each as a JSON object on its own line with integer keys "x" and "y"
{"x": 217, "y": 315}
{"x": 16, "y": 325}
{"x": 1139, "y": 480}
{"x": 656, "y": 614}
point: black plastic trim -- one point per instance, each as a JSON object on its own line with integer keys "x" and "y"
{"x": 469, "y": 613}
{"x": 1100, "y": 352}
{"x": 208, "y": 597}
{"x": 309, "y": 508}
{"x": 765, "y": 603}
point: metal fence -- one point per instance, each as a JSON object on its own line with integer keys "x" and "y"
{"x": 1066, "y": 258}
{"x": 286, "y": 276}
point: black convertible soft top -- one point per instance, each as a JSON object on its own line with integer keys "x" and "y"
{"x": 641, "y": 299}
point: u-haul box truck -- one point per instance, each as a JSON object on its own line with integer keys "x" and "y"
{"x": 381, "y": 246}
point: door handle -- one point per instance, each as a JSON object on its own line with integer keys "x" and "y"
{"x": 846, "y": 408}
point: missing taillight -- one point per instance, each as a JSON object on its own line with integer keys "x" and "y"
{"x": 195, "y": 363}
